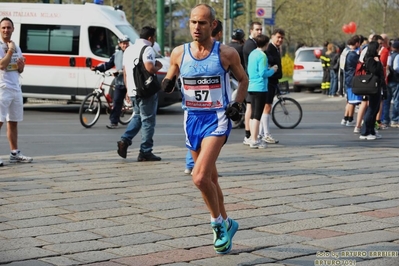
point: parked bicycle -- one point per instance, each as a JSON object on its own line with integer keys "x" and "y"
{"x": 92, "y": 105}
{"x": 286, "y": 112}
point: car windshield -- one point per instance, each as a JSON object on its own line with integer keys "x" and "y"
{"x": 129, "y": 31}
{"x": 307, "y": 56}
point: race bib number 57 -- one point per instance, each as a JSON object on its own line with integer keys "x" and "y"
{"x": 203, "y": 92}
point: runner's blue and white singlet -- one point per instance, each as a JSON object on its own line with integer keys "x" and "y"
{"x": 205, "y": 83}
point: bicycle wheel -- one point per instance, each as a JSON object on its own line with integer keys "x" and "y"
{"x": 286, "y": 113}
{"x": 127, "y": 113}
{"x": 90, "y": 110}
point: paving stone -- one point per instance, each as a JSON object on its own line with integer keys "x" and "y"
{"x": 30, "y": 263}
{"x": 183, "y": 255}
{"x": 184, "y": 231}
{"x": 390, "y": 220}
{"x": 32, "y": 231}
{"x": 339, "y": 242}
{"x": 341, "y": 210}
{"x": 188, "y": 242}
{"x": 292, "y": 216}
{"x": 144, "y": 260}
{"x": 101, "y": 214}
{"x": 179, "y": 222}
{"x": 309, "y": 205}
{"x": 163, "y": 198}
{"x": 369, "y": 190}
{"x": 136, "y": 250}
{"x": 76, "y": 247}
{"x": 61, "y": 261}
{"x": 4, "y": 226}
{"x": 123, "y": 230}
{"x": 132, "y": 219}
{"x": 286, "y": 251}
{"x": 360, "y": 227}
{"x": 378, "y": 214}
{"x": 318, "y": 233}
{"x": 24, "y": 254}
{"x": 95, "y": 206}
{"x": 69, "y": 237}
{"x": 352, "y": 218}
{"x": 92, "y": 256}
{"x": 36, "y": 222}
{"x": 86, "y": 225}
{"x": 134, "y": 239}
{"x": 228, "y": 260}
{"x": 18, "y": 215}
{"x": 28, "y": 205}
{"x": 300, "y": 225}
{"x": 18, "y": 243}
{"x": 352, "y": 200}
{"x": 272, "y": 240}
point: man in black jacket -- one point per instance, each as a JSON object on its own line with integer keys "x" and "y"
{"x": 249, "y": 46}
{"x": 273, "y": 53}
{"x": 237, "y": 42}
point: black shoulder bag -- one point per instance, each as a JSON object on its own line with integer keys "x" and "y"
{"x": 147, "y": 84}
{"x": 364, "y": 83}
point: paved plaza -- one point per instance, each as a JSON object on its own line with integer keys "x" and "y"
{"x": 296, "y": 205}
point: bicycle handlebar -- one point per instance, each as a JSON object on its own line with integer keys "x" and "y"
{"x": 104, "y": 74}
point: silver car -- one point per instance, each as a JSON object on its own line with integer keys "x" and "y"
{"x": 308, "y": 72}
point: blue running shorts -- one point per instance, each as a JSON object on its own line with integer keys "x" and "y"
{"x": 353, "y": 98}
{"x": 201, "y": 124}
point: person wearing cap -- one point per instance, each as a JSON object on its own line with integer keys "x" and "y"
{"x": 393, "y": 84}
{"x": 119, "y": 94}
{"x": 237, "y": 42}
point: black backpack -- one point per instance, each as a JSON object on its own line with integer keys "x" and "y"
{"x": 147, "y": 84}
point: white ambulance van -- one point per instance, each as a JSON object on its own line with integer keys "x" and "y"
{"x": 62, "y": 41}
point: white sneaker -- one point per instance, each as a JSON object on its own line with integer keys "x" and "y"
{"x": 20, "y": 158}
{"x": 269, "y": 139}
{"x": 188, "y": 171}
{"x": 247, "y": 141}
{"x": 1, "y": 163}
{"x": 343, "y": 122}
{"x": 259, "y": 144}
{"x": 368, "y": 137}
{"x": 350, "y": 124}
{"x": 356, "y": 130}
{"x": 394, "y": 124}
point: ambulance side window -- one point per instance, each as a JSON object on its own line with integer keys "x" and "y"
{"x": 102, "y": 41}
{"x": 50, "y": 39}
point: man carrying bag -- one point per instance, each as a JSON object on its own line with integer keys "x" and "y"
{"x": 144, "y": 106}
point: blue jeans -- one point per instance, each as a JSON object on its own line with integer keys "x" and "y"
{"x": 395, "y": 105}
{"x": 370, "y": 115}
{"x": 333, "y": 82}
{"x": 386, "y": 105}
{"x": 189, "y": 160}
{"x": 145, "y": 111}
{"x": 119, "y": 96}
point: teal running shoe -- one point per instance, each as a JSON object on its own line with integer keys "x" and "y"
{"x": 221, "y": 239}
{"x": 231, "y": 231}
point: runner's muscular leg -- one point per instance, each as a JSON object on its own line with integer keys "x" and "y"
{"x": 205, "y": 173}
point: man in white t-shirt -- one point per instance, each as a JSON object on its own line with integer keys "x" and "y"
{"x": 11, "y": 103}
{"x": 145, "y": 109}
